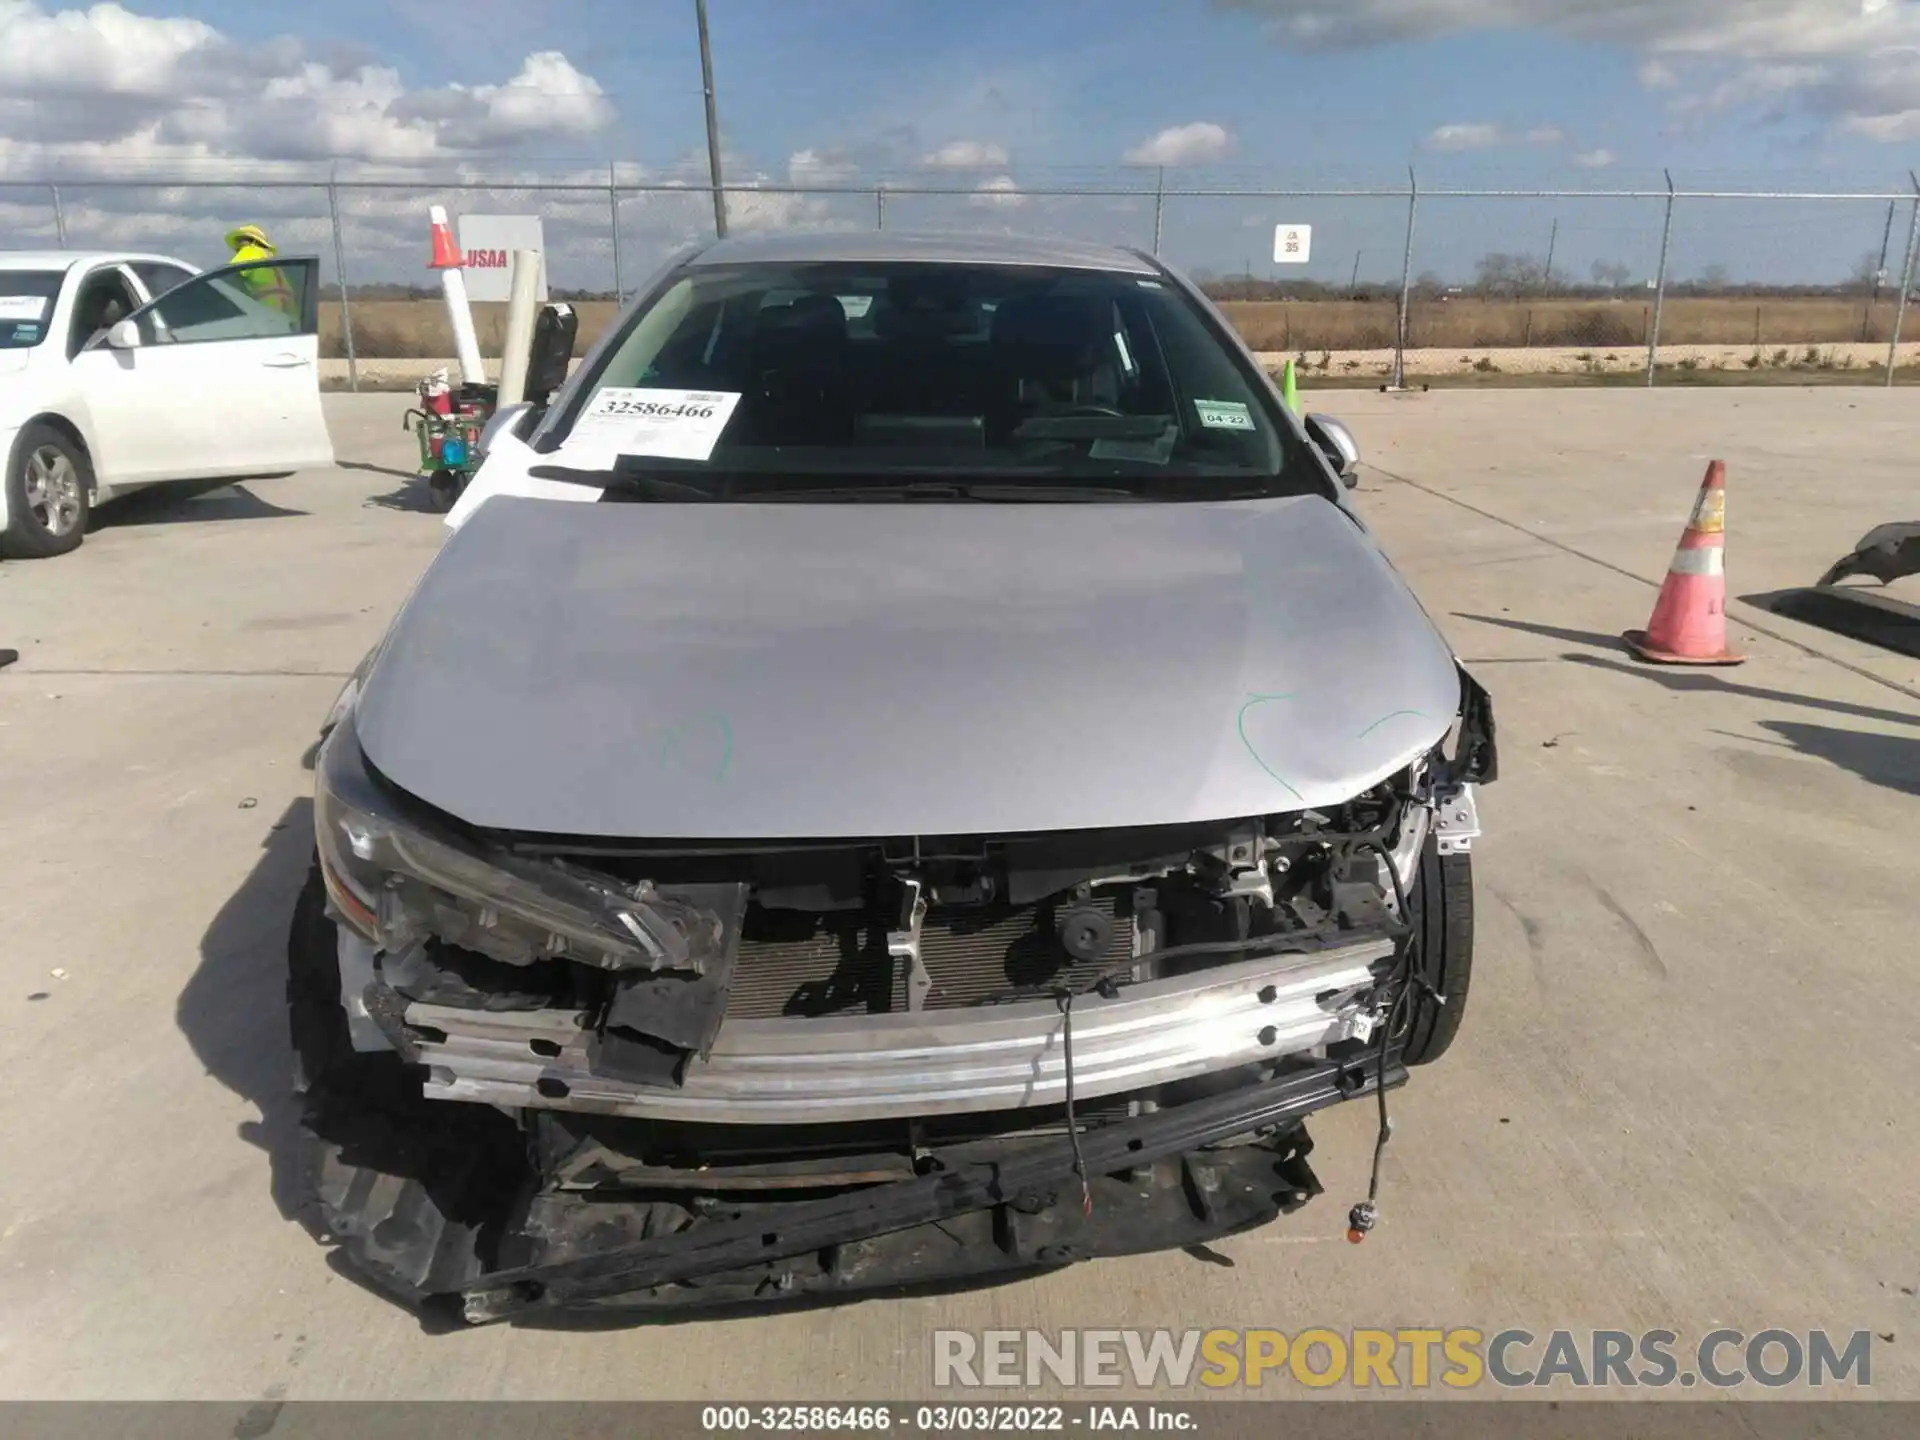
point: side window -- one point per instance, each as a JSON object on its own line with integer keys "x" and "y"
{"x": 159, "y": 278}
{"x": 248, "y": 302}
{"x": 105, "y": 299}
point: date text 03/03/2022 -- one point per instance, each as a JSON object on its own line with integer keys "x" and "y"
{"x": 945, "y": 1419}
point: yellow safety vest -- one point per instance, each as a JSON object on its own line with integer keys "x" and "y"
{"x": 267, "y": 286}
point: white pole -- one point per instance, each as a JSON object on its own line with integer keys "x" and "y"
{"x": 453, "y": 286}
{"x": 523, "y": 302}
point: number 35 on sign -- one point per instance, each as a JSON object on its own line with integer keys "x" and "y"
{"x": 1292, "y": 244}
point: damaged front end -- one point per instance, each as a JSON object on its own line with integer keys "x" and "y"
{"x": 705, "y": 1072}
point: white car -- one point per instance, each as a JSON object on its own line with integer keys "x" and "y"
{"x": 119, "y": 371}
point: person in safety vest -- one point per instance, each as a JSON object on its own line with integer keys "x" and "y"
{"x": 269, "y": 286}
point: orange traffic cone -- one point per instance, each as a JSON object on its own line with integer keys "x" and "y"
{"x": 1689, "y": 622}
{"x": 446, "y": 254}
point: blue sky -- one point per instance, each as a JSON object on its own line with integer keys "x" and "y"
{"x": 1310, "y": 93}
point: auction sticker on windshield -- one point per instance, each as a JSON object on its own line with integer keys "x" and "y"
{"x": 672, "y": 424}
{"x": 1223, "y": 415}
{"x": 22, "y": 307}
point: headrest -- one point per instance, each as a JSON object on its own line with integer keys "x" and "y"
{"x": 1053, "y": 322}
{"x": 813, "y": 314}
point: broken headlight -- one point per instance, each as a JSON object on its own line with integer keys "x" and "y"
{"x": 396, "y": 875}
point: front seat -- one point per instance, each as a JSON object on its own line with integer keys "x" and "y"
{"x": 797, "y": 359}
{"x": 1056, "y": 352}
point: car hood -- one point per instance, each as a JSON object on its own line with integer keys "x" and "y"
{"x": 716, "y": 671}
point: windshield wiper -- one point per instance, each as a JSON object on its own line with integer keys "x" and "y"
{"x": 647, "y": 484}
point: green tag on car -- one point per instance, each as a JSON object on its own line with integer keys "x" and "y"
{"x": 1223, "y": 415}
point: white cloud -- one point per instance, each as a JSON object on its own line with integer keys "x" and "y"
{"x": 1001, "y": 192}
{"x": 1593, "y": 159}
{"x": 1829, "y": 53}
{"x": 90, "y": 90}
{"x": 966, "y": 155}
{"x": 1194, "y": 144}
{"x": 816, "y": 167}
{"x": 1482, "y": 136}
{"x": 1465, "y": 137}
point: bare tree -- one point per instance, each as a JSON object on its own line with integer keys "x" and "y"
{"x": 1501, "y": 274}
{"x": 1867, "y": 274}
{"x": 1611, "y": 273}
{"x": 1714, "y": 278}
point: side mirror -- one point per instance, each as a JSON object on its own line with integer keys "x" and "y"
{"x": 124, "y": 335}
{"x": 515, "y": 420}
{"x": 1336, "y": 442}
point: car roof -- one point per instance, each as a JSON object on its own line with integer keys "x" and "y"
{"x": 66, "y": 259}
{"x": 881, "y": 247}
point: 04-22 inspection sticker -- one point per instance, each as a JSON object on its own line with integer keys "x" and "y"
{"x": 1223, "y": 415}
{"x": 674, "y": 424}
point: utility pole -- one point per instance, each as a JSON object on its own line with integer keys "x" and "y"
{"x": 1354, "y": 283}
{"x": 1553, "y": 240}
{"x": 713, "y": 123}
{"x": 1886, "y": 239}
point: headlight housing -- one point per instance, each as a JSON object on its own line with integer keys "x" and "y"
{"x": 396, "y": 875}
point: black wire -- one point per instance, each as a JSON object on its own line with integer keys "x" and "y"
{"x": 1401, "y": 993}
{"x": 1073, "y": 1124}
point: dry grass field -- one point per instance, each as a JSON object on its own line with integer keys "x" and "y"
{"x": 407, "y": 329}
{"x": 1466, "y": 322}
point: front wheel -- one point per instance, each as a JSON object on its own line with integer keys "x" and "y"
{"x": 49, "y": 494}
{"x": 1442, "y": 905}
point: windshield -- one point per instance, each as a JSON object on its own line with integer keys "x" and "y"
{"x": 997, "y": 373}
{"x": 26, "y": 306}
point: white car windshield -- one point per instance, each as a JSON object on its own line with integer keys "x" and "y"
{"x": 916, "y": 368}
{"x": 26, "y": 306}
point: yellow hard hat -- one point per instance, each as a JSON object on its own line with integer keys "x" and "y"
{"x": 248, "y": 235}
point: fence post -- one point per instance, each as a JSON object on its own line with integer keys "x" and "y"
{"x": 1406, "y": 284}
{"x": 340, "y": 275}
{"x": 613, "y": 211}
{"x": 59, "y": 217}
{"x": 1660, "y": 285}
{"x": 1906, "y": 281}
{"x": 1159, "y": 205}
{"x": 879, "y": 207}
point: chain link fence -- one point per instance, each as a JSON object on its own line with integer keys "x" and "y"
{"x": 1639, "y": 284}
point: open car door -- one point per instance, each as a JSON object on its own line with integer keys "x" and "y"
{"x": 234, "y": 356}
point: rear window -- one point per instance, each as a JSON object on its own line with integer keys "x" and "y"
{"x": 26, "y": 306}
{"x": 911, "y": 367}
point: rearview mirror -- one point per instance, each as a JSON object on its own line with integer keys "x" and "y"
{"x": 124, "y": 335}
{"x": 1336, "y": 442}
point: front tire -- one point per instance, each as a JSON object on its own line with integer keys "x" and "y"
{"x": 1442, "y": 905}
{"x": 49, "y": 484}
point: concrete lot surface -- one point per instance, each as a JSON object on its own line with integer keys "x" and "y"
{"x": 1683, "y": 1097}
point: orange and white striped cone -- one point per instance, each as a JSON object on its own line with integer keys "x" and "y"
{"x": 1689, "y": 621}
{"x": 446, "y": 254}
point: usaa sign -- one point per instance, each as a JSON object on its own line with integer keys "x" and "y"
{"x": 487, "y": 243}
